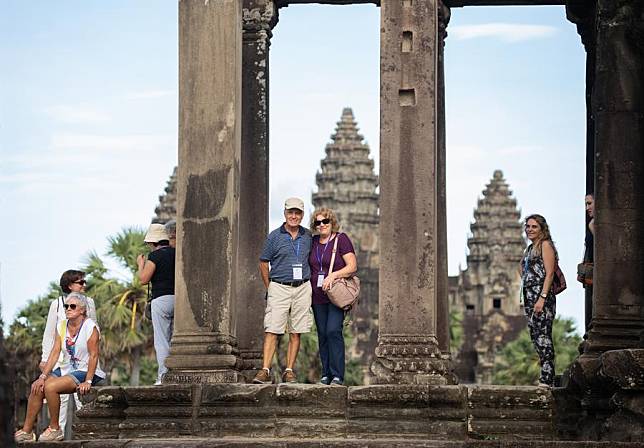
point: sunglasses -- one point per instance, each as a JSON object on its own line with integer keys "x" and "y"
{"x": 321, "y": 221}
{"x": 70, "y": 306}
{"x": 80, "y": 282}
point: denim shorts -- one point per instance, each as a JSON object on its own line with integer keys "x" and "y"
{"x": 78, "y": 376}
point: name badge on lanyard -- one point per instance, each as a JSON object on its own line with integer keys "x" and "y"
{"x": 297, "y": 271}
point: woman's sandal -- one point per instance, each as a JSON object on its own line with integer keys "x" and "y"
{"x": 22, "y": 436}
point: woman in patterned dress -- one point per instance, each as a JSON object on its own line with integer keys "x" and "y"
{"x": 537, "y": 274}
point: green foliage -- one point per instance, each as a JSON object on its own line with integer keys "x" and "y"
{"x": 455, "y": 331}
{"x": 566, "y": 341}
{"x": 25, "y": 333}
{"x": 121, "y": 373}
{"x": 126, "y": 245}
{"x": 518, "y": 362}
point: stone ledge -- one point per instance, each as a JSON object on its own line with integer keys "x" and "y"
{"x": 331, "y": 443}
{"x": 317, "y": 412}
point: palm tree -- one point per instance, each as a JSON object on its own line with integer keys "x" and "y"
{"x": 126, "y": 334}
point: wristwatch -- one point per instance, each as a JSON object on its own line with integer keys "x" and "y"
{"x": 544, "y": 295}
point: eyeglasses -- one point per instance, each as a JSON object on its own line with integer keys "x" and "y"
{"x": 80, "y": 282}
{"x": 318, "y": 222}
{"x": 71, "y": 306}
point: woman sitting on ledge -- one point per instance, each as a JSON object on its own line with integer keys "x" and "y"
{"x": 79, "y": 335}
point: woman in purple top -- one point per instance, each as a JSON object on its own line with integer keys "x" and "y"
{"x": 328, "y": 317}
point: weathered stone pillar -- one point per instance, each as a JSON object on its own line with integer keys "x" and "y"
{"x": 618, "y": 110}
{"x": 259, "y": 17}
{"x": 582, "y": 13}
{"x": 408, "y": 350}
{"x": 442, "y": 288}
{"x": 204, "y": 346}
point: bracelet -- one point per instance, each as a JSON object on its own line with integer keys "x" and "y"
{"x": 42, "y": 376}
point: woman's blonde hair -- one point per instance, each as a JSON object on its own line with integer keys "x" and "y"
{"x": 327, "y": 213}
{"x": 545, "y": 233}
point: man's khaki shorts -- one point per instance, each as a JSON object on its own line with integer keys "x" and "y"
{"x": 288, "y": 305}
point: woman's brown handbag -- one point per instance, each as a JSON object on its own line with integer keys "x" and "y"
{"x": 585, "y": 273}
{"x": 559, "y": 282}
{"x": 344, "y": 292}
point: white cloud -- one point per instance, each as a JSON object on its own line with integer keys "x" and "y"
{"x": 507, "y": 32}
{"x": 91, "y": 142}
{"x": 150, "y": 94}
{"x": 77, "y": 114}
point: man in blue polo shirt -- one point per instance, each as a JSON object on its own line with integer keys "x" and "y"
{"x": 289, "y": 290}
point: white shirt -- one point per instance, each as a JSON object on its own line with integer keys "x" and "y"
{"x": 80, "y": 359}
{"x": 56, "y": 315}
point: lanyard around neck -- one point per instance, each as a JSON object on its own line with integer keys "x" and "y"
{"x": 317, "y": 252}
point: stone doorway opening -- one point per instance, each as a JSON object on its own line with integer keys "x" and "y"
{"x": 315, "y": 76}
{"x": 522, "y": 112}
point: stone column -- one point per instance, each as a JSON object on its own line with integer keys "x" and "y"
{"x": 442, "y": 288}
{"x": 408, "y": 350}
{"x": 618, "y": 110}
{"x": 204, "y": 346}
{"x": 582, "y": 13}
{"x": 259, "y": 17}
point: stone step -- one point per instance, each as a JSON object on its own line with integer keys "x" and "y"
{"x": 327, "y": 443}
{"x": 306, "y": 411}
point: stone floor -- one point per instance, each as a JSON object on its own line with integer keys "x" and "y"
{"x": 330, "y": 443}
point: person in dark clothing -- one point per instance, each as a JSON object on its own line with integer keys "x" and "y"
{"x": 158, "y": 270}
{"x": 328, "y": 317}
{"x": 537, "y": 274}
{"x": 589, "y": 255}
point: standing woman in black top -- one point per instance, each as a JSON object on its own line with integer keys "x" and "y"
{"x": 159, "y": 270}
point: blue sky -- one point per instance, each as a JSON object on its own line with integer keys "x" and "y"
{"x": 88, "y": 121}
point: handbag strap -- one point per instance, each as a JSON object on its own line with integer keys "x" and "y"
{"x": 335, "y": 248}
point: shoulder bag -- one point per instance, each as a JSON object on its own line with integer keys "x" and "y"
{"x": 344, "y": 292}
{"x": 585, "y": 271}
{"x": 559, "y": 281}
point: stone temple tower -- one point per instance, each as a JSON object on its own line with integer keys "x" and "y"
{"x": 167, "y": 208}
{"x": 486, "y": 293}
{"x": 347, "y": 184}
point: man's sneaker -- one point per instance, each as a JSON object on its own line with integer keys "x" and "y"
{"x": 325, "y": 380}
{"x": 289, "y": 376}
{"x": 336, "y": 381}
{"x": 21, "y": 436}
{"x": 263, "y": 377}
{"x": 51, "y": 435}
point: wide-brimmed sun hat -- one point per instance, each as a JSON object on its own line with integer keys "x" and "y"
{"x": 156, "y": 233}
